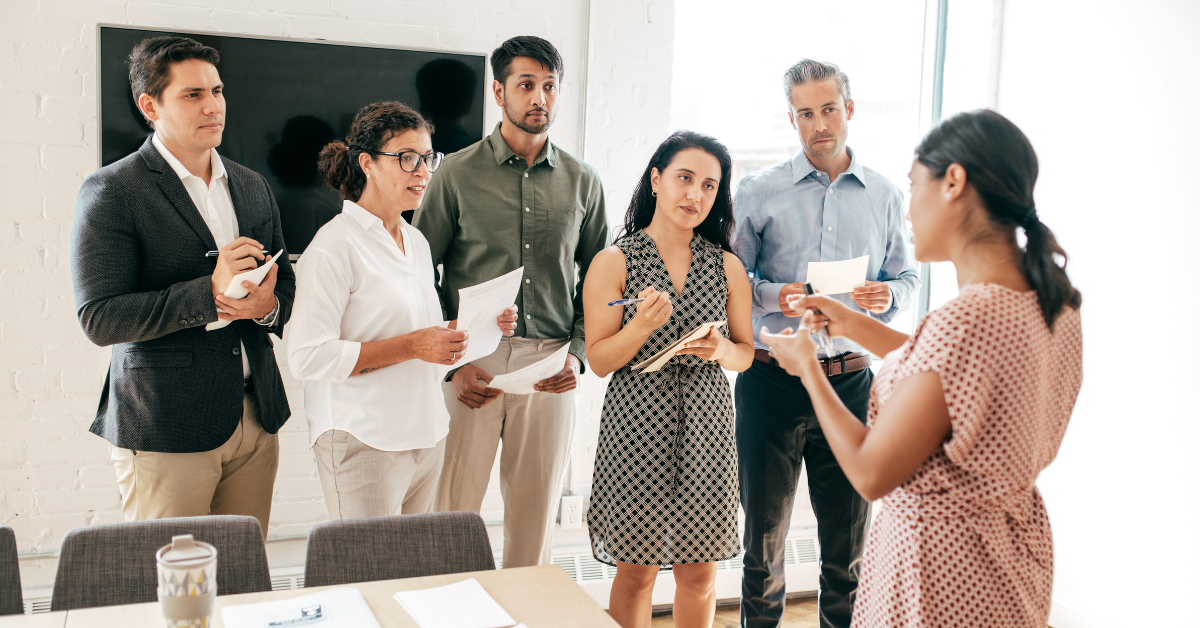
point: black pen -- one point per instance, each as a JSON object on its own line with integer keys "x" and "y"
{"x": 822, "y": 334}
{"x": 218, "y": 253}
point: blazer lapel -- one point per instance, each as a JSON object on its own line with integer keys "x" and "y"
{"x": 173, "y": 188}
{"x": 241, "y": 203}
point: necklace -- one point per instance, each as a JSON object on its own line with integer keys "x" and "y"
{"x": 976, "y": 275}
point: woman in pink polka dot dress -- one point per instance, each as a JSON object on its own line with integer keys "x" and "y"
{"x": 967, "y": 411}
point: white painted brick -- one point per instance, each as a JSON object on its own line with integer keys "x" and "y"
{"x": 621, "y": 51}
{"x": 20, "y": 358}
{"x": 662, "y": 13}
{"x": 54, "y": 182}
{"x": 19, "y": 106}
{"x": 38, "y": 55}
{"x": 42, "y": 81}
{"x": 333, "y": 29}
{"x": 17, "y": 480}
{"x": 82, "y": 382}
{"x": 64, "y": 32}
{"x": 59, "y": 208}
{"x": 29, "y": 430}
{"x": 470, "y": 41}
{"x": 19, "y": 131}
{"x": 64, "y": 108}
{"x": 61, "y": 407}
{"x": 19, "y": 502}
{"x": 81, "y": 500}
{"x": 58, "y": 258}
{"x": 403, "y": 35}
{"x": 258, "y": 23}
{"x": 61, "y": 307}
{"x": 12, "y": 455}
{"x": 98, "y": 476}
{"x": 385, "y": 11}
{"x": 612, "y": 11}
{"x": 36, "y": 384}
{"x": 512, "y": 23}
{"x": 429, "y": 14}
{"x": 23, "y": 307}
{"x": 167, "y": 17}
{"x": 42, "y": 232}
{"x": 298, "y": 489}
{"x": 299, "y": 512}
{"x": 84, "y": 356}
{"x": 41, "y": 332}
{"x": 21, "y": 256}
{"x": 86, "y": 11}
{"x": 21, "y": 207}
{"x": 56, "y": 478}
{"x": 90, "y": 450}
{"x": 42, "y": 532}
{"x": 81, "y": 159}
{"x": 8, "y": 391}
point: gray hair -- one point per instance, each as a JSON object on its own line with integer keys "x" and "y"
{"x": 811, "y": 71}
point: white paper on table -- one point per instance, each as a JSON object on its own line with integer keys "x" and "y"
{"x": 460, "y": 605}
{"x": 335, "y": 608}
{"x": 521, "y": 381}
{"x": 838, "y": 277}
{"x": 656, "y": 361}
{"x": 235, "y": 290}
{"x": 478, "y": 307}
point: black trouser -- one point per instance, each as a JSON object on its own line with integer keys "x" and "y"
{"x": 777, "y": 432}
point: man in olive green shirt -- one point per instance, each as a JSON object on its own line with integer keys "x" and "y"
{"x": 510, "y": 200}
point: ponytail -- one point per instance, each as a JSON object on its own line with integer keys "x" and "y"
{"x": 371, "y": 128}
{"x": 1003, "y": 168}
{"x": 338, "y": 165}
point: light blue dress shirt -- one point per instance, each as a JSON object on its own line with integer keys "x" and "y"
{"x": 790, "y": 214}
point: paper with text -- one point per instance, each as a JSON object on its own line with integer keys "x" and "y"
{"x": 343, "y": 607}
{"x": 478, "y": 307}
{"x": 460, "y": 605}
{"x": 838, "y": 277}
{"x": 659, "y": 359}
{"x": 235, "y": 290}
{"x": 521, "y": 381}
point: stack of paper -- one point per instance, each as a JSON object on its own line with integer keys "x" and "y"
{"x": 235, "y": 290}
{"x": 460, "y": 605}
{"x": 478, "y": 307}
{"x": 335, "y": 608}
{"x": 521, "y": 381}
{"x": 659, "y": 359}
{"x": 838, "y": 277}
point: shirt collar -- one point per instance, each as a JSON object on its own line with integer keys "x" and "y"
{"x": 218, "y": 168}
{"x": 802, "y": 167}
{"x": 503, "y": 153}
{"x": 364, "y": 218}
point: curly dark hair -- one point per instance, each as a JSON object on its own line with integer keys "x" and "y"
{"x": 371, "y": 128}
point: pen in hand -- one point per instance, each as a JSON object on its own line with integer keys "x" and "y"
{"x": 823, "y": 333}
{"x": 218, "y": 253}
{"x": 625, "y": 301}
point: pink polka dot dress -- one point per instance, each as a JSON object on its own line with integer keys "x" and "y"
{"x": 966, "y": 541}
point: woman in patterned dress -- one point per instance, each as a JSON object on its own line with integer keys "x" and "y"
{"x": 665, "y": 489}
{"x": 966, "y": 412}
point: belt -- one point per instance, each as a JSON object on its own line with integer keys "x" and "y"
{"x": 248, "y": 385}
{"x": 845, "y": 363}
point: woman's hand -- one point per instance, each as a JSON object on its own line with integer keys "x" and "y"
{"x": 712, "y": 347}
{"x": 654, "y": 312}
{"x": 834, "y": 316}
{"x": 795, "y": 352}
{"x": 437, "y": 345}
{"x": 507, "y": 321}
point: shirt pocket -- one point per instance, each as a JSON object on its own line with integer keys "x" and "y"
{"x": 561, "y": 235}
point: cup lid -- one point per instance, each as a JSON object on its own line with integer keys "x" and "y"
{"x": 185, "y": 548}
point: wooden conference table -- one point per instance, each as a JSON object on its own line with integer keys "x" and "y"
{"x": 540, "y": 597}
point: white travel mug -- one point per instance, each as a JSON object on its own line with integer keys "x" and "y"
{"x": 187, "y": 582}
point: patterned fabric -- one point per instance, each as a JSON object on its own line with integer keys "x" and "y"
{"x": 966, "y": 541}
{"x": 665, "y": 488}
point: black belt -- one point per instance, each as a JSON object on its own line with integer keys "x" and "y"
{"x": 248, "y": 385}
{"x": 842, "y": 364}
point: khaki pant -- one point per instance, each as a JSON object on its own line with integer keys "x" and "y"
{"x": 237, "y": 478}
{"x": 536, "y": 430}
{"x": 361, "y": 481}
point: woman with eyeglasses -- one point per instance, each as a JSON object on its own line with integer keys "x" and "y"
{"x": 367, "y": 334}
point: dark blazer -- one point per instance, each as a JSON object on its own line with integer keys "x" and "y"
{"x": 142, "y": 284}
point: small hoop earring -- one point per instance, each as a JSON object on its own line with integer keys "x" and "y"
{"x": 653, "y": 192}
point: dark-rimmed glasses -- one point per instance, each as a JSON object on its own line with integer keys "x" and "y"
{"x": 410, "y": 160}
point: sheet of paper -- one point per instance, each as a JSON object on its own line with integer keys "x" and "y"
{"x": 343, "y": 607}
{"x": 235, "y": 290}
{"x": 659, "y": 359}
{"x": 520, "y": 382}
{"x": 460, "y": 605}
{"x": 838, "y": 277}
{"x": 478, "y": 307}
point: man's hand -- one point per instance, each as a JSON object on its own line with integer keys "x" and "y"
{"x": 567, "y": 379}
{"x": 470, "y": 392}
{"x": 257, "y": 304}
{"x": 874, "y": 297}
{"x": 235, "y": 258}
{"x": 784, "y": 293}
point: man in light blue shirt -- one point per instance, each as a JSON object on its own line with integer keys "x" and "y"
{"x": 822, "y": 205}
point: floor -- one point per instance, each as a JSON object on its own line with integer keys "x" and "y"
{"x": 800, "y": 613}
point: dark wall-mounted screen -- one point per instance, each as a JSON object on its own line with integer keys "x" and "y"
{"x": 287, "y": 99}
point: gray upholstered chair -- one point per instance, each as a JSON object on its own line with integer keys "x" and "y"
{"x": 10, "y": 574}
{"x": 401, "y": 546}
{"x": 114, "y": 563}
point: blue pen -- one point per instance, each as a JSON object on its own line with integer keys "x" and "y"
{"x": 625, "y": 301}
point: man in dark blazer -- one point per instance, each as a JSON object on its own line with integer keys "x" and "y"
{"x": 192, "y": 413}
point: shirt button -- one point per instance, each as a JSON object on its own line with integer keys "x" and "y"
{"x": 526, "y": 246}
{"x": 526, "y": 175}
{"x": 526, "y": 209}
{"x": 237, "y": 351}
{"x": 526, "y": 281}
{"x": 528, "y": 317}
{"x": 192, "y": 319}
{"x": 183, "y": 321}
{"x": 830, "y": 227}
{"x": 831, "y": 190}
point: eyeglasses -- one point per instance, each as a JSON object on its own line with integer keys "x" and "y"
{"x": 410, "y": 160}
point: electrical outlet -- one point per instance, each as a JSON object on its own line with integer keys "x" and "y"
{"x": 571, "y": 516}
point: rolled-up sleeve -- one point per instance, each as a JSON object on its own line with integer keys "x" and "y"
{"x": 747, "y": 242}
{"x": 316, "y": 350}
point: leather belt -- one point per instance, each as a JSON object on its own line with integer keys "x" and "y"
{"x": 845, "y": 363}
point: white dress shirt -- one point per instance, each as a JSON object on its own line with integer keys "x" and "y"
{"x": 355, "y": 285}
{"x": 213, "y": 202}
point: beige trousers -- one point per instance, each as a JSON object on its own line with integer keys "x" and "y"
{"x": 237, "y": 478}
{"x": 361, "y": 481}
{"x": 536, "y": 430}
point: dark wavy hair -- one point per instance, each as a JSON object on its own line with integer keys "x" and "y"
{"x": 371, "y": 128}
{"x": 718, "y": 225}
{"x": 535, "y": 48}
{"x": 151, "y": 59}
{"x": 1003, "y": 168}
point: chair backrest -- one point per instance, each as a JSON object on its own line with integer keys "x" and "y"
{"x": 10, "y": 574}
{"x": 400, "y": 546}
{"x": 114, "y": 563}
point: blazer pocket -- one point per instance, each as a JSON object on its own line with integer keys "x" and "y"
{"x": 158, "y": 358}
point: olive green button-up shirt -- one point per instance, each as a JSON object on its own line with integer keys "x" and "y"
{"x": 486, "y": 212}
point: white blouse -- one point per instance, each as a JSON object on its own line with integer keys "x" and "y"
{"x": 354, "y": 285}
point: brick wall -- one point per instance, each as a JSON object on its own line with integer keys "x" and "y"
{"x": 56, "y": 476}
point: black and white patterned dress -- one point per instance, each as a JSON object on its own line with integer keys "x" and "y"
{"x": 665, "y": 488}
